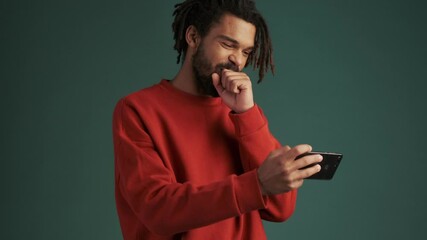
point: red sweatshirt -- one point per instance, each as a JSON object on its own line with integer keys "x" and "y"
{"x": 185, "y": 168}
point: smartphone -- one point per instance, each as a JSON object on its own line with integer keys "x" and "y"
{"x": 328, "y": 165}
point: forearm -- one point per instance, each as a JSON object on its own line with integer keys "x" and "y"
{"x": 167, "y": 208}
{"x": 255, "y": 144}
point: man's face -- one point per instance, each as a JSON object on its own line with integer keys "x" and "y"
{"x": 204, "y": 68}
{"x": 227, "y": 45}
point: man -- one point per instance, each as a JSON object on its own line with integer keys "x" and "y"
{"x": 194, "y": 158}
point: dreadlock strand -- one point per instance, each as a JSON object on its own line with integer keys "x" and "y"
{"x": 179, "y": 25}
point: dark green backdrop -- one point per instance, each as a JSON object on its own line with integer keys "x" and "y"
{"x": 351, "y": 77}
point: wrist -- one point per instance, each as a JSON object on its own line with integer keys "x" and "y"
{"x": 264, "y": 192}
{"x": 244, "y": 109}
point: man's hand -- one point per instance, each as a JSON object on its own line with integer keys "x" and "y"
{"x": 281, "y": 173}
{"x": 235, "y": 89}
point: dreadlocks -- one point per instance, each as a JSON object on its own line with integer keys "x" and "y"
{"x": 204, "y": 13}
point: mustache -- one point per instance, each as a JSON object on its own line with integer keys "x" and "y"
{"x": 229, "y": 66}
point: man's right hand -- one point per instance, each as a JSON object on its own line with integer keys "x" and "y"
{"x": 281, "y": 173}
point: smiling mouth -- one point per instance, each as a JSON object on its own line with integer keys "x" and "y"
{"x": 228, "y": 66}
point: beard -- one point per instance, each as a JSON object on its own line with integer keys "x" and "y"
{"x": 203, "y": 70}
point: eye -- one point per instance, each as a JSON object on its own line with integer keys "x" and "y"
{"x": 247, "y": 53}
{"x": 226, "y": 45}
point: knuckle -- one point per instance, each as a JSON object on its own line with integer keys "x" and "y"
{"x": 296, "y": 184}
{"x": 306, "y": 160}
{"x": 312, "y": 170}
{"x": 296, "y": 151}
{"x": 308, "y": 173}
{"x": 288, "y": 177}
{"x": 303, "y": 148}
{"x": 287, "y": 180}
{"x": 285, "y": 171}
{"x": 279, "y": 164}
{"x": 288, "y": 167}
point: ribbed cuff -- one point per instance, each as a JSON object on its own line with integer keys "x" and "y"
{"x": 248, "y": 192}
{"x": 248, "y": 122}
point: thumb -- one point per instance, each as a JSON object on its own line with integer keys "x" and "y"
{"x": 216, "y": 82}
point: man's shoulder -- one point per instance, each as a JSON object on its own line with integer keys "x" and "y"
{"x": 145, "y": 95}
{"x": 147, "y": 92}
{"x": 147, "y": 103}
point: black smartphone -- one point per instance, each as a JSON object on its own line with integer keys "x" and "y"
{"x": 328, "y": 165}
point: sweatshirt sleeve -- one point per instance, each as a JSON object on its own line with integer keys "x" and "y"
{"x": 255, "y": 144}
{"x": 149, "y": 189}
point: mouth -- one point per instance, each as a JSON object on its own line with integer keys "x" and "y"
{"x": 228, "y": 66}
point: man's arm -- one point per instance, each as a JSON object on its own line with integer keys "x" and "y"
{"x": 150, "y": 189}
{"x": 279, "y": 170}
{"x": 255, "y": 145}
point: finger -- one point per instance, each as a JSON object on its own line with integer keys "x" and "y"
{"x": 297, "y": 184}
{"x": 307, "y": 161}
{"x": 228, "y": 75}
{"x": 234, "y": 76}
{"x": 236, "y": 85}
{"x": 233, "y": 73}
{"x": 217, "y": 83}
{"x": 280, "y": 151}
{"x": 307, "y": 172}
{"x": 223, "y": 78}
{"x": 298, "y": 150}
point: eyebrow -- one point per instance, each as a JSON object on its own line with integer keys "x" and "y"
{"x": 234, "y": 41}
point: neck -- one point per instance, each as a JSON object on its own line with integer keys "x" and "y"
{"x": 185, "y": 79}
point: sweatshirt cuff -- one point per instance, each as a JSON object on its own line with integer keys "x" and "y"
{"x": 249, "y": 121}
{"x": 248, "y": 192}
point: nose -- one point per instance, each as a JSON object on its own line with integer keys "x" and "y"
{"x": 238, "y": 60}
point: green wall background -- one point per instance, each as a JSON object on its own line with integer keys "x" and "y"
{"x": 351, "y": 77}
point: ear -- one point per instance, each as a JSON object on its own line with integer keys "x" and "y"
{"x": 192, "y": 37}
